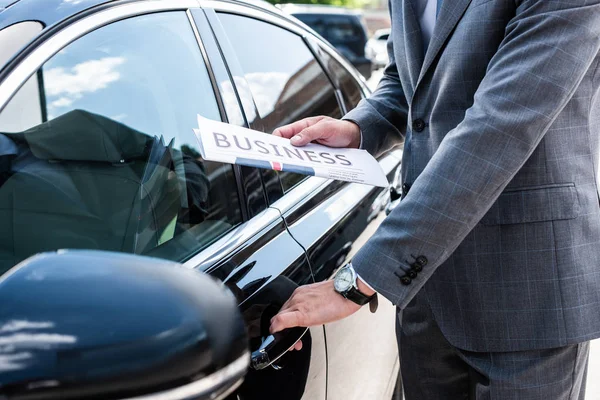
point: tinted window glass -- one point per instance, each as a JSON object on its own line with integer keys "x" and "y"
{"x": 384, "y": 36}
{"x": 350, "y": 88}
{"x": 114, "y": 164}
{"x": 285, "y": 79}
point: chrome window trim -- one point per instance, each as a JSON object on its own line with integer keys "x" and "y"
{"x": 58, "y": 41}
{"x": 21, "y": 33}
{"x": 292, "y": 199}
{"x": 233, "y": 239}
{"x": 281, "y": 19}
{"x": 233, "y": 372}
{"x": 267, "y": 16}
{"x": 209, "y": 69}
{"x": 313, "y": 185}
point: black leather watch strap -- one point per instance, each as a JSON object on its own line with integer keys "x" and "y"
{"x": 357, "y": 297}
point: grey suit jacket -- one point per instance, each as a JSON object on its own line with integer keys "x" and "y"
{"x": 501, "y": 125}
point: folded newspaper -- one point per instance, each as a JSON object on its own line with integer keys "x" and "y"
{"x": 236, "y": 145}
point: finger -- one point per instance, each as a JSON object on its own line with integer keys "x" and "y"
{"x": 297, "y": 346}
{"x": 286, "y": 320}
{"x": 288, "y": 131}
{"x": 291, "y": 302}
{"x": 312, "y": 133}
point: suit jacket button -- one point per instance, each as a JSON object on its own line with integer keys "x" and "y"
{"x": 405, "y": 280}
{"x": 412, "y": 274}
{"x": 422, "y": 261}
{"x": 417, "y": 267}
{"x": 418, "y": 125}
{"x": 405, "y": 189}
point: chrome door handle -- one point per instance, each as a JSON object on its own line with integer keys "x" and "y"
{"x": 274, "y": 346}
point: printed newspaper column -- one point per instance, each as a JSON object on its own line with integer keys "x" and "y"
{"x": 236, "y": 145}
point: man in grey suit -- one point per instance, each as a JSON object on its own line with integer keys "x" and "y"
{"x": 493, "y": 255}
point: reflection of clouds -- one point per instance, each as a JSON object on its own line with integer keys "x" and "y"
{"x": 266, "y": 87}
{"x": 119, "y": 117}
{"x": 231, "y": 104}
{"x": 14, "y": 336}
{"x": 14, "y": 343}
{"x": 14, "y": 362}
{"x": 74, "y": 1}
{"x": 86, "y": 77}
{"x": 245, "y": 96}
{"x": 61, "y": 102}
{"x": 35, "y": 340}
{"x": 17, "y": 325}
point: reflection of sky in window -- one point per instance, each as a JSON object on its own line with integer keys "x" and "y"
{"x": 269, "y": 56}
{"x": 146, "y": 72}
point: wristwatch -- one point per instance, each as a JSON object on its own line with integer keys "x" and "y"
{"x": 344, "y": 282}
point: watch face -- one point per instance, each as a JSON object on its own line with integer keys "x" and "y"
{"x": 344, "y": 280}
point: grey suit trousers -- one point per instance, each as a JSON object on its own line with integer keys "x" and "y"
{"x": 433, "y": 369}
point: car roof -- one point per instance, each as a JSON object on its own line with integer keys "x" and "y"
{"x": 48, "y": 12}
{"x": 51, "y": 12}
{"x": 317, "y": 9}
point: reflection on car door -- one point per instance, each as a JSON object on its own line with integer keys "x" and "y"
{"x": 262, "y": 265}
{"x": 118, "y": 168}
{"x": 332, "y": 221}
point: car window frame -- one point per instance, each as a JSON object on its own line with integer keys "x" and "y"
{"x": 219, "y": 71}
{"x": 49, "y": 43}
{"x": 212, "y": 9}
{"x": 288, "y": 22}
{"x": 318, "y": 48}
{"x": 265, "y": 16}
{"x": 306, "y": 191}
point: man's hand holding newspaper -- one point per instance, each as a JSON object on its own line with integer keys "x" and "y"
{"x": 236, "y": 145}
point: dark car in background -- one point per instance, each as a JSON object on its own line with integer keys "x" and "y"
{"x": 173, "y": 265}
{"x": 344, "y": 28}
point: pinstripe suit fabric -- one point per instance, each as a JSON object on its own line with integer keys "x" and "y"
{"x": 503, "y": 198}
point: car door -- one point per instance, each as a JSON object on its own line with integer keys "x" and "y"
{"x": 108, "y": 161}
{"x": 330, "y": 219}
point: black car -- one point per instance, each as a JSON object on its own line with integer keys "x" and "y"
{"x": 344, "y": 28}
{"x": 174, "y": 264}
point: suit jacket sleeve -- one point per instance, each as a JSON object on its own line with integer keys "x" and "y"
{"x": 548, "y": 47}
{"x": 382, "y": 116}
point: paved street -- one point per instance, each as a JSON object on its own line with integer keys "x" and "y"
{"x": 593, "y": 384}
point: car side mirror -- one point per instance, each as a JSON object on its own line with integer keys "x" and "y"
{"x": 102, "y": 325}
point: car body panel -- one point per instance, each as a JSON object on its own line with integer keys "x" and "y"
{"x": 332, "y": 224}
{"x": 315, "y": 227}
{"x": 262, "y": 272}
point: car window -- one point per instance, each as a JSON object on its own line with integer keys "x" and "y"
{"x": 114, "y": 163}
{"x": 21, "y": 111}
{"x": 385, "y": 36}
{"x": 350, "y": 88}
{"x": 285, "y": 79}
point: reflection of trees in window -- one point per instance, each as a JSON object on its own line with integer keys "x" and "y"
{"x": 307, "y": 93}
{"x": 351, "y": 91}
